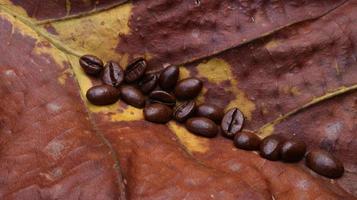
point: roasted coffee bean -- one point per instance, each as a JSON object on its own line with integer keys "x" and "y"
{"x": 169, "y": 77}
{"x": 188, "y": 88}
{"x": 132, "y": 96}
{"x": 324, "y": 163}
{"x": 184, "y": 111}
{"x": 113, "y": 74}
{"x": 232, "y": 122}
{"x": 270, "y": 147}
{"x": 202, "y": 126}
{"x": 102, "y": 95}
{"x": 293, "y": 150}
{"x": 210, "y": 111}
{"x": 160, "y": 96}
{"x": 91, "y": 65}
{"x": 148, "y": 83}
{"x": 157, "y": 113}
{"x": 247, "y": 141}
{"x": 135, "y": 70}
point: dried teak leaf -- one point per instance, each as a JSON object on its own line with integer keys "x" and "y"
{"x": 289, "y": 66}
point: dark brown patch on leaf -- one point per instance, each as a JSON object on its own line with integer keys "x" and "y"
{"x": 331, "y": 126}
{"x": 189, "y": 31}
{"x": 41, "y": 10}
{"x": 282, "y": 72}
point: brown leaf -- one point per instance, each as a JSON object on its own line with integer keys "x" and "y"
{"x": 183, "y": 31}
{"x": 49, "y": 148}
{"x": 290, "y": 66}
{"x": 60, "y": 9}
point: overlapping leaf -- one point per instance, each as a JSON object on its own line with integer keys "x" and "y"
{"x": 290, "y": 66}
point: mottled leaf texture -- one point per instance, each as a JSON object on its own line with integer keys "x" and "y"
{"x": 57, "y": 9}
{"x": 289, "y": 65}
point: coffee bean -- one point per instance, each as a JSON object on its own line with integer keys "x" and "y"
{"x": 91, "y": 65}
{"x": 202, "y": 126}
{"x": 113, "y": 74}
{"x": 160, "y": 96}
{"x": 270, "y": 147}
{"x": 157, "y": 113}
{"x": 135, "y": 70}
{"x": 148, "y": 83}
{"x": 324, "y": 163}
{"x": 188, "y": 88}
{"x": 132, "y": 96}
{"x": 232, "y": 122}
{"x": 102, "y": 95}
{"x": 169, "y": 77}
{"x": 184, "y": 111}
{"x": 293, "y": 150}
{"x": 247, "y": 141}
{"x": 210, "y": 111}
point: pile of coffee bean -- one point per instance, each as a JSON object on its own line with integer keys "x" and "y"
{"x": 164, "y": 97}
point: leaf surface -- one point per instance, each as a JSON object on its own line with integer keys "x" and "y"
{"x": 290, "y": 66}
